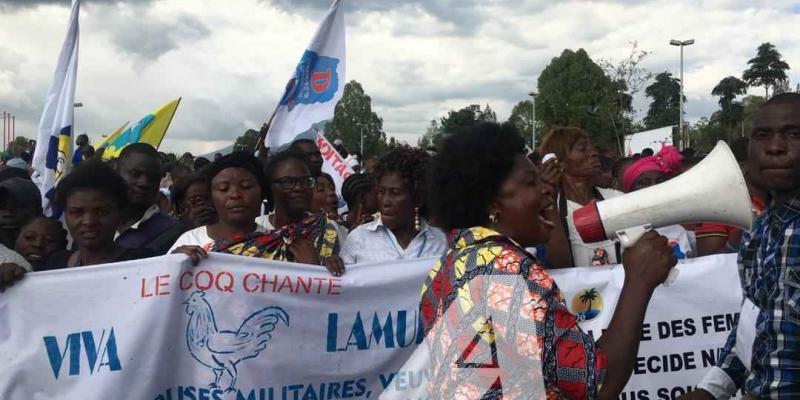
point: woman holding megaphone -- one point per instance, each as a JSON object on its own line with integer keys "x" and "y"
{"x": 488, "y": 295}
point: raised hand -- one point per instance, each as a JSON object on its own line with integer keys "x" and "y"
{"x": 9, "y": 274}
{"x": 648, "y": 262}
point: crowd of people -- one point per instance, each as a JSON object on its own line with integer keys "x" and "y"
{"x": 482, "y": 204}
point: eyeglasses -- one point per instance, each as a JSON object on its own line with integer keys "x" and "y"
{"x": 289, "y": 182}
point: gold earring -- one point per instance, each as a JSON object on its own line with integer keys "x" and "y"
{"x": 493, "y": 217}
{"x": 416, "y": 219}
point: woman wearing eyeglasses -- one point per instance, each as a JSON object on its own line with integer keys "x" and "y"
{"x": 289, "y": 233}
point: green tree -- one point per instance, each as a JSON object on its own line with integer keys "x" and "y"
{"x": 247, "y": 142}
{"x": 588, "y": 296}
{"x": 629, "y": 79}
{"x": 433, "y": 131}
{"x": 522, "y": 118}
{"x": 352, "y": 118}
{"x": 453, "y": 121}
{"x": 19, "y": 145}
{"x": 766, "y": 69}
{"x": 706, "y": 133}
{"x": 664, "y": 109}
{"x": 750, "y": 106}
{"x": 574, "y": 90}
{"x": 730, "y": 114}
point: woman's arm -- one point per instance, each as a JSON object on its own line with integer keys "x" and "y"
{"x": 647, "y": 265}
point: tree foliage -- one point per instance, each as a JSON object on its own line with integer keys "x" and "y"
{"x": 352, "y": 117}
{"x": 453, "y": 121}
{"x": 574, "y": 90}
{"x": 730, "y": 113}
{"x": 248, "y": 141}
{"x": 664, "y": 93}
{"x": 766, "y": 69}
{"x": 522, "y": 118}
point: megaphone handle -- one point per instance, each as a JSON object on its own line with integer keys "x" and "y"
{"x": 629, "y": 237}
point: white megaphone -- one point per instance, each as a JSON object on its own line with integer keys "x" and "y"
{"x": 713, "y": 191}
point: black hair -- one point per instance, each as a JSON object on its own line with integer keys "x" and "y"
{"x": 355, "y": 186}
{"x": 409, "y": 162}
{"x": 238, "y": 159}
{"x": 200, "y": 163}
{"x": 329, "y": 178}
{"x": 10, "y": 172}
{"x": 92, "y": 175}
{"x": 739, "y": 148}
{"x": 272, "y": 165}
{"x": 139, "y": 148}
{"x": 179, "y": 187}
{"x": 647, "y": 152}
{"x": 82, "y": 139}
{"x": 87, "y": 152}
{"x": 783, "y": 98}
{"x": 619, "y": 166}
{"x": 55, "y": 223}
{"x": 298, "y": 142}
{"x": 468, "y": 170}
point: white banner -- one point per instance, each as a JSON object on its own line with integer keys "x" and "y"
{"x": 244, "y": 328}
{"x": 686, "y": 324}
{"x": 317, "y": 85}
{"x": 333, "y": 163}
{"x": 653, "y": 139}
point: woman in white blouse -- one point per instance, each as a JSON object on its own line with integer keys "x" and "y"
{"x": 401, "y": 232}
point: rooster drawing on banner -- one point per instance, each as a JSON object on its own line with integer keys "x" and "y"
{"x": 222, "y": 351}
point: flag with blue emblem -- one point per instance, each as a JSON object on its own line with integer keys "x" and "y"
{"x": 52, "y": 159}
{"x": 317, "y": 85}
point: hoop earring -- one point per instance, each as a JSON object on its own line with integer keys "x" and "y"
{"x": 416, "y": 219}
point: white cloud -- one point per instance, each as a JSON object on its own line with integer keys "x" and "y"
{"x": 416, "y": 59}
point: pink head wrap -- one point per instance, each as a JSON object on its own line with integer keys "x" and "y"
{"x": 667, "y": 161}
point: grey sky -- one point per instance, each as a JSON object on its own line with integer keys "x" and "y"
{"x": 417, "y": 59}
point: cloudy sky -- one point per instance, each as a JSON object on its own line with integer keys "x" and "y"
{"x": 417, "y": 59}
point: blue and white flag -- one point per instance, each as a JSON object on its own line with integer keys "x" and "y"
{"x": 52, "y": 158}
{"x": 317, "y": 85}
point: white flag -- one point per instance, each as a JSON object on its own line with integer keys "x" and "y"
{"x": 317, "y": 85}
{"x": 53, "y": 156}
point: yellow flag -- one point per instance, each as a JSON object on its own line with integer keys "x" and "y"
{"x": 150, "y": 129}
{"x": 111, "y": 136}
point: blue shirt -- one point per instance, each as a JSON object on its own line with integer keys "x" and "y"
{"x": 373, "y": 242}
{"x": 769, "y": 268}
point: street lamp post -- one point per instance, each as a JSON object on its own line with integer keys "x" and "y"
{"x": 361, "y": 128}
{"x": 533, "y": 124}
{"x": 681, "y": 44}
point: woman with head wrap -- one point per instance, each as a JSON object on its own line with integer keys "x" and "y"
{"x": 651, "y": 171}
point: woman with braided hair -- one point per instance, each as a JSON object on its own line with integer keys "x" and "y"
{"x": 401, "y": 232}
{"x": 359, "y": 193}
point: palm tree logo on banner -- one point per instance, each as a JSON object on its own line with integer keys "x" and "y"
{"x": 587, "y": 304}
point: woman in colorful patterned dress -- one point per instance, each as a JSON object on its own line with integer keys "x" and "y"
{"x": 496, "y": 322}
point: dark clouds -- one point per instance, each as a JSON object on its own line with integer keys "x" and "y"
{"x": 462, "y": 16}
{"x": 146, "y": 38}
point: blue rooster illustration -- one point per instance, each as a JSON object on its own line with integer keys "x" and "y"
{"x": 222, "y": 351}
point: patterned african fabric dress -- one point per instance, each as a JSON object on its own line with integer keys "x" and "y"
{"x": 497, "y": 326}
{"x": 274, "y": 245}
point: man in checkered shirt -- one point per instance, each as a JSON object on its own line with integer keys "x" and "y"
{"x": 762, "y": 354}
